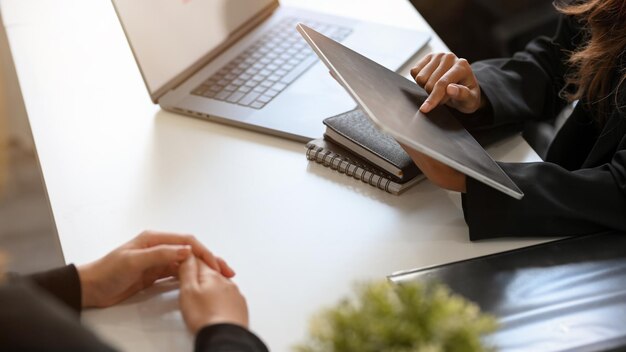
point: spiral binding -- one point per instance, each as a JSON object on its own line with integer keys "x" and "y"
{"x": 343, "y": 165}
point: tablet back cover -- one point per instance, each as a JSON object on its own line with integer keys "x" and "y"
{"x": 392, "y": 102}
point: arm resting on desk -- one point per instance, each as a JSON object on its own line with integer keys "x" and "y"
{"x": 556, "y": 201}
{"x": 34, "y": 314}
{"x": 63, "y": 284}
{"x": 582, "y": 186}
{"x": 31, "y": 318}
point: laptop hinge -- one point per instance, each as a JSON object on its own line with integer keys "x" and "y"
{"x": 199, "y": 64}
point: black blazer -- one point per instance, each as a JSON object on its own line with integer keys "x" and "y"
{"x": 41, "y": 313}
{"x": 581, "y": 186}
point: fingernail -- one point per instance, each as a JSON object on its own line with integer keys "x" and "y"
{"x": 425, "y": 107}
{"x": 453, "y": 90}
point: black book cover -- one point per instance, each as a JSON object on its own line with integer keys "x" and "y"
{"x": 375, "y": 146}
{"x": 536, "y": 291}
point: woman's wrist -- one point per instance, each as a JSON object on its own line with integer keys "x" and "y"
{"x": 462, "y": 185}
{"x": 88, "y": 286}
{"x": 451, "y": 180}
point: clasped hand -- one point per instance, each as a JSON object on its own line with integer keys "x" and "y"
{"x": 208, "y": 296}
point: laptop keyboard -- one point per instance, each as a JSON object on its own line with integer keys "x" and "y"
{"x": 269, "y": 66}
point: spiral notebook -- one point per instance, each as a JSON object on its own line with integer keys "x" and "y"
{"x": 330, "y": 155}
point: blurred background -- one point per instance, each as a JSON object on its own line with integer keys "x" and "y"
{"x": 27, "y": 232}
{"x": 481, "y": 29}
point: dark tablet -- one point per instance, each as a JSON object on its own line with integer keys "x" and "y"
{"x": 392, "y": 102}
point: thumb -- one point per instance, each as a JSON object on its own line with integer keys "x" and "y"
{"x": 461, "y": 97}
{"x": 161, "y": 255}
{"x": 188, "y": 271}
{"x": 458, "y": 92}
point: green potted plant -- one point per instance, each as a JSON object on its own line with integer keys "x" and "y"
{"x": 384, "y": 317}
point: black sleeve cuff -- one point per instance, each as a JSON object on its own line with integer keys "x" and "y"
{"x": 556, "y": 202}
{"x": 481, "y": 204}
{"x": 495, "y": 89}
{"x": 63, "y": 284}
{"x": 228, "y": 338}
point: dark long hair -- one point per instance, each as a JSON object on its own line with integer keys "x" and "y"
{"x": 595, "y": 63}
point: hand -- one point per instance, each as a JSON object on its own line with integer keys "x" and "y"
{"x": 138, "y": 264}
{"x": 438, "y": 173}
{"x": 448, "y": 80}
{"x": 208, "y": 298}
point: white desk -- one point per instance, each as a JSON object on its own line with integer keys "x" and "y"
{"x": 299, "y": 235}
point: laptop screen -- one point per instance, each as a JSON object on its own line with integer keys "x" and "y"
{"x": 168, "y": 36}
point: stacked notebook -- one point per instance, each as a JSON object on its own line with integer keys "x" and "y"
{"x": 354, "y": 146}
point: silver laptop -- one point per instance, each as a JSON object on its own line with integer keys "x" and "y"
{"x": 242, "y": 62}
{"x": 392, "y": 102}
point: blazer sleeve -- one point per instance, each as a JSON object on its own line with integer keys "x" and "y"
{"x": 228, "y": 338}
{"x": 62, "y": 283}
{"x": 31, "y": 319}
{"x": 556, "y": 201}
{"x": 527, "y": 86}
